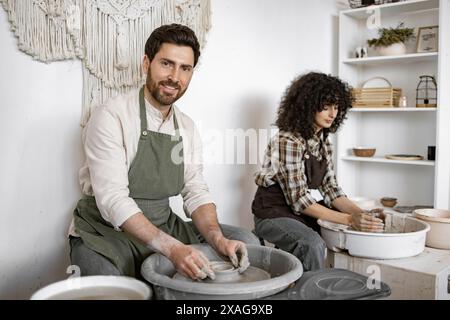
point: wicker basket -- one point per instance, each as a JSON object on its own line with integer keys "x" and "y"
{"x": 386, "y": 97}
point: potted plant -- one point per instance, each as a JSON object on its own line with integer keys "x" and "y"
{"x": 391, "y": 41}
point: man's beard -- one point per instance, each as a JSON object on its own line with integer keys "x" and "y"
{"x": 161, "y": 98}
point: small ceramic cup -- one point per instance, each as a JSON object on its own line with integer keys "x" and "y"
{"x": 388, "y": 201}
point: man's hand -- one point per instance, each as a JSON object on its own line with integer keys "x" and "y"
{"x": 366, "y": 222}
{"x": 191, "y": 262}
{"x": 233, "y": 249}
{"x": 186, "y": 259}
{"x": 205, "y": 219}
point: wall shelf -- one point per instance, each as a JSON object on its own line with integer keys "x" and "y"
{"x": 389, "y": 161}
{"x": 405, "y": 58}
{"x": 396, "y": 8}
{"x": 407, "y": 130}
{"x": 409, "y": 109}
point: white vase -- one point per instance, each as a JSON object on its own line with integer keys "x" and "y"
{"x": 398, "y": 48}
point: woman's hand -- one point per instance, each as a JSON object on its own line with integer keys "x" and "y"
{"x": 366, "y": 222}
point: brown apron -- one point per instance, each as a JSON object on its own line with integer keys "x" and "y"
{"x": 270, "y": 202}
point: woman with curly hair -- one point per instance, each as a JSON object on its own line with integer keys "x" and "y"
{"x": 298, "y": 159}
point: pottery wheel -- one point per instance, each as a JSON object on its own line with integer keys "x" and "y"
{"x": 227, "y": 273}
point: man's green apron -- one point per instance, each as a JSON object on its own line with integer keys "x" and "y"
{"x": 153, "y": 178}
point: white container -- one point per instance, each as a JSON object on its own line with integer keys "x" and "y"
{"x": 95, "y": 288}
{"x": 406, "y": 240}
{"x": 439, "y": 221}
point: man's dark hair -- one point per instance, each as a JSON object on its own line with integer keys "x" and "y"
{"x": 174, "y": 34}
{"x": 309, "y": 94}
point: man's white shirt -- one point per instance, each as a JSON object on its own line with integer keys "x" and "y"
{"x": 110, "y": 141}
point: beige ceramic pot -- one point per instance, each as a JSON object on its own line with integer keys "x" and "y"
{"x": 392, "y": 50}
{"x": 439, "y": 221}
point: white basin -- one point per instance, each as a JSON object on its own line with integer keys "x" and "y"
{"x": 406, "y": 239}
{"x": 95, "y": 288}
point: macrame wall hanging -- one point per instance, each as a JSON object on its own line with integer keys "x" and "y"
{"x": 107, "y": 35}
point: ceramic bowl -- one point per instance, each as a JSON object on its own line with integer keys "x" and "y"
{"x": 439, "y": 221}
{"x": 364, "y": 152}
{"x": 388, "y": 202}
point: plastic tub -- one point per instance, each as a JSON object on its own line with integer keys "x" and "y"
{"x": 406, "y": 239}
{"x": 439, "y": 221}
{"x": 95, "y": 288}
{"x": 283, "y": 268}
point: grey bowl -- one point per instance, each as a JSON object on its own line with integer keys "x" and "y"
{"x": 283, "y": 267}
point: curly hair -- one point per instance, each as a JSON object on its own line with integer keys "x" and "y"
{"x": 308, "y": 94}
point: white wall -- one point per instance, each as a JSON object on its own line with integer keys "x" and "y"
{"x": 254, "y": 50}
{"x": 40, "y": 153}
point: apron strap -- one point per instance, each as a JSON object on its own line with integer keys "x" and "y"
{"x": 143, "y": 114}
{"x": 175, "y": 124}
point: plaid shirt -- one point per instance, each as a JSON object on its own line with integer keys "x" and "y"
{"x": 283, "y": 164}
